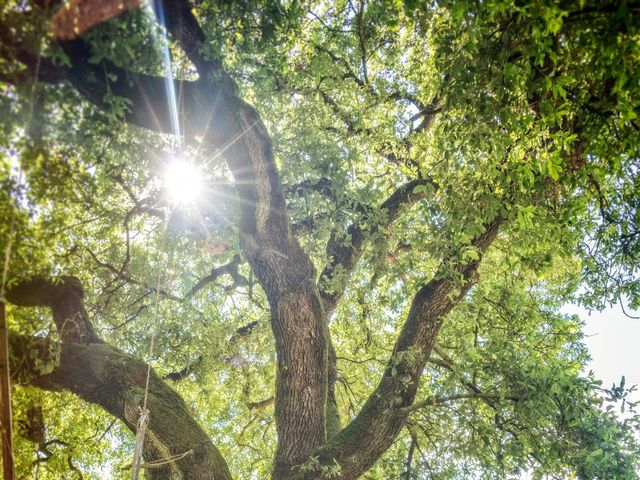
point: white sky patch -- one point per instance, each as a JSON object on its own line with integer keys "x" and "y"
{"x": 612, "y": 339}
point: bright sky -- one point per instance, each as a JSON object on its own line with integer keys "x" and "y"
{"x": 612, "y": 339}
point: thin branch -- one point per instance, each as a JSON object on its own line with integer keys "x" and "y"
{"x": 184, "y": 372}
{"x": 412, "y": 447}
{"x": 230, "y": 268}
{"x": 129, "y": 279}
{"x": 435, "y": 401}
{"x": 344, "y": 250}
{"x": 321, "y": 186}
{"x": 261, "y": 405}
{"x": 362, "y": 40}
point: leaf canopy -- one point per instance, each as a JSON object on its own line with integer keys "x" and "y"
{"x": 523, "y": 111}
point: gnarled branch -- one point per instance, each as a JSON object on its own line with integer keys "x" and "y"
{"x": 101, "y": 374}
{"x": 345, "y": 249}
{"x": 356, "y": 447}
{"x": 65, "y": 298}
{"x": 114, "y": 380}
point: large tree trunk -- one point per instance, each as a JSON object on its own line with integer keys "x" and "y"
{"x": 288, "y": 277}
{"x": 305, "y": 405}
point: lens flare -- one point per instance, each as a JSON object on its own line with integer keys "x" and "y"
{"x": 183, "y": 182}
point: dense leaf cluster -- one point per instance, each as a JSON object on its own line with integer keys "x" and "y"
{"x": 524, "y": 112}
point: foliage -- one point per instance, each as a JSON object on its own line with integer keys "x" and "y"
{"x": 525, "y": 111}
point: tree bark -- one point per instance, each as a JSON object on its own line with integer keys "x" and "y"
{"x": 305, "y": 410}
{"x": 288, "y": 278}
{"x": 106, "y": 376}
{"x": 114, "y": 380}
{"x": 357, "y": 447}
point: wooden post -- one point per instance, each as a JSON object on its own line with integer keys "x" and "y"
{"x": 5, "y": 397}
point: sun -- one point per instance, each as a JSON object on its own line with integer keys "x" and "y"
{"x": 183, "y": 181}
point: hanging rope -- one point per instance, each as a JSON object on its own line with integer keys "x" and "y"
{"x": 167, "y": 460}
{"x": 141, "y": 429}
{"x": 143, "y": 420}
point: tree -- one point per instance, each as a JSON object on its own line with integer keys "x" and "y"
{"x": 399, "y": 198}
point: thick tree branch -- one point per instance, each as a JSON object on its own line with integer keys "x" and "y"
{"x": 374, "y": 429}
{"x": 78, "y": 16}
{"x": 114, "y": 380}
{"x": 344, "y": 250}
{"x": 144, "y": 96}
{"x": 101, "y": 374}
{"x": 181, "y": 23}
{"x": 74, "y": 18}
{"x": 343, "y": 255}
{"x": 65, "y": 298}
